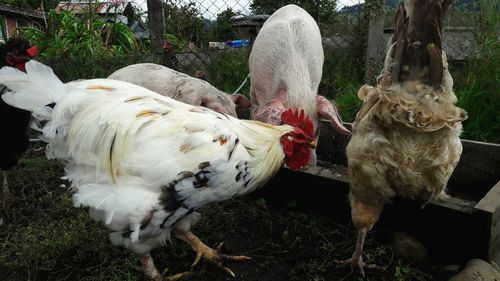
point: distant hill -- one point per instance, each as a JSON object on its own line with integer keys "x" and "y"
{"x": 460, "y": 5}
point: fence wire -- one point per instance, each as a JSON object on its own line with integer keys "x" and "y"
{"x": 198, "y": 28}
{"x": 203, "y": 33}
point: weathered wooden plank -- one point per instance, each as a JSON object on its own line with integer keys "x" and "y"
{"x": 495, "y": 238}
{"x": 457, "y": 204}
{"x": 327, "y": 170}
{"x": 476, "y": 173}
{"x": 478, "y": 170}
{"x": 491, "y": 201}
{"x": 472, "y": 208}
{"x": 331, "y": 144}
{"x": 491, "y": 204}
{"x": 338, "y": 174}
{"x": 435, "y": 226}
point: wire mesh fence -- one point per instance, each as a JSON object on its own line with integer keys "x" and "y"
{"x": 202, "y": 32}
{"x": 206, "y": 31}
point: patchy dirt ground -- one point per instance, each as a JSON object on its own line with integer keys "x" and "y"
{"x": 43, "y": 237}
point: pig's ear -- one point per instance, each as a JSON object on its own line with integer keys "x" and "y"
{"x": 201, "y": 101}
{"x": 241, "y": 102}
{"x": 326, "y": 109}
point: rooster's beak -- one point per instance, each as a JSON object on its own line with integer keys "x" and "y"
{"x": 312, "y": 145}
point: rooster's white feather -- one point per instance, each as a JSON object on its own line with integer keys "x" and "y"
{"x": 143, "y": 162}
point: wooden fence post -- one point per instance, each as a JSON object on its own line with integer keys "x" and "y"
{"x": 156, "y": 24}
{"x": 376, "y": 47}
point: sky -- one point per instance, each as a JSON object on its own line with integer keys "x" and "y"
{"x": 210, "y": 8}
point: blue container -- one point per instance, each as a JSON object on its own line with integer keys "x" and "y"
{"x": 238, "y": 43}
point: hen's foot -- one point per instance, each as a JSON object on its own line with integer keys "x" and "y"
{"x": 216, "y": 258}
{"x": 358, "y": 262}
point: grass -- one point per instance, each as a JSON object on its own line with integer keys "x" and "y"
{"x": 73, "y": 68}
{"x": 228, "y": 69}
{"x": 476, "y": 87}
{"x": 483, "y": 109}
{"x": 475, "y": 82}
{"x": 43, "y": 237}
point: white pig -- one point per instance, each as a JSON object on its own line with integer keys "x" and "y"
{"x": 286, "y": 65}
{"x": 182, "y": 87}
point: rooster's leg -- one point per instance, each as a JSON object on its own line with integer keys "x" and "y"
{"x": 148, "y": 267}
{"x": 364, "y": 217}
{"x": 209, "y": 254}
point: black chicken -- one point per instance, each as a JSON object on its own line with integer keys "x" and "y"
{"x": 14, "y": 142}
{"x": 169, "y": 58}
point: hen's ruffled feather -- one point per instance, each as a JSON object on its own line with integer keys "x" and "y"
{"x": 406, "y": 134}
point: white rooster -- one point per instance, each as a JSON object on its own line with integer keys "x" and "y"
{"x": 143, "y": 163}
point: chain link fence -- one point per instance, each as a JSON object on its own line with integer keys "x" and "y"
{"x": 203, "y": 30}
{"x": 215, "y": 36}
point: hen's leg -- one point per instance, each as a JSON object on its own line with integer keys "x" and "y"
{"x": 209, "y": 254}
{"x": 364, "y": 217}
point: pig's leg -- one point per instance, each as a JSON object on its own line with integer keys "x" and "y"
{"x": 327, "y": 110}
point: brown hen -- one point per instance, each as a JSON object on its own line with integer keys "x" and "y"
{"x": 405, "y": 138}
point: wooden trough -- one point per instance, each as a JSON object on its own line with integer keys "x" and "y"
{"x": 464, "y": 226}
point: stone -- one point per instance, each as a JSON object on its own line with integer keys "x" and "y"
{"x": 477, "y": 270}
{"x": 410, "y": 248}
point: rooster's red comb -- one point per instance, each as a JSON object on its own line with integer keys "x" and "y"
{"x": 33, "y": 51}
{"x": 299, "y": 120}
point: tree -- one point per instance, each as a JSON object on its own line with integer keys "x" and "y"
{"x": 326, "y": 7}
{"x": 223, "y": 29}
{"x": 184, "y": 21}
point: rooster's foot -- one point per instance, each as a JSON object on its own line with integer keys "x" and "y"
{"x": 209, "y": 254}
{"x": 214, "y": 257}
{"x": 176, "y": 277}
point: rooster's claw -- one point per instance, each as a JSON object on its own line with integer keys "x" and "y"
{"x": 214, "y": 257}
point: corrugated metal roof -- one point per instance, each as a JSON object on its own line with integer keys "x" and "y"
{"x": 110, "y": 7}
{"x": 20, "y": 11}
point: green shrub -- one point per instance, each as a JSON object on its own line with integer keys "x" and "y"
{"x": 227, "y": 70}
{"x": 476, "y": 80}
{"x": 342, "y": 76}
{"x": 69, "y": 35}
{"x": 83, "y": 47}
